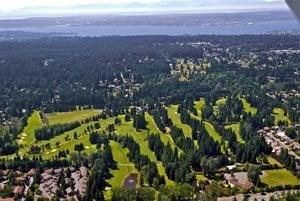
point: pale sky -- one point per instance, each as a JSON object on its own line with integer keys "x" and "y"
{"x": 12, "y": 8}
{"x": 12, "y": 5}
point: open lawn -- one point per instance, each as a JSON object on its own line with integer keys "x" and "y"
{"x": 236, "y": 129}
{"x": 153, "y": 129}
{"x": 172, "y": 112}
{"x": 219, "y": 103}
{"x": 124, "y": 166}
{"x": 273, "y": 161}
{"x": 199, "y": 105}
{"x": 247, "y": 107}
{"x": 27, "y": 136}
{"x": 278, "y": 113}
{"x": 212, "y": 132}
{"x": 201, "y": 177}
{"x": 126, "y": 128}
{"x": 141, "y": 138}
{"x": 57, "y": 143}
{"x": 279, "y": 177}
{"x": 67, "y": 117}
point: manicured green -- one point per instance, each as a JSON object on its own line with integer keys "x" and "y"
{"x": 219, "y": 102}
{"x": 141, "y": 136}
{"x": 162, "y": 171}
{"x": 236, "y": 129}
{"x": 273, "y": 161}
{"x": 165, "y": 138}
{"x": 67, "y": 117}
{"x": 278, "y": 113}
{"x": 27, "y": 137}
{"x": 58, "y": 143}
{"x": 212, "y": 132}
{"x": 199, "y": 105}
{"x": 172, "y": 112}
{"x": 200, "y": 177}
{"x": 247, "y": 107}
{"x": 279, "y": 177}
{"x": 124, "y": 166}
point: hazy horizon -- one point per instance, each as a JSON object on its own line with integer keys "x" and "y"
{"x": 54, "y": 8}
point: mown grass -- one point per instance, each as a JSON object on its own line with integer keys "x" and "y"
{"x": 219, "y": 102}
{"x": 198, "y": 106}
{"x": 172, "y": 112}
{"x": 124, "y": 166}
{"x": 165, "y": 138}
{"x": 247, "y": 107}
{"x": 27, "y": 137}
{"x": 236, "y": 129}
{"x": 279, "y": 177}
{"x": 67, "y": 117}
{"x": 278, "y": 113}
{"x": 273, "y": 161}
{"x": 57, "y": 143}
{"x": 212, "y": 132}
{"x": 141, "y": 137}
{"x": 200, "y": 177}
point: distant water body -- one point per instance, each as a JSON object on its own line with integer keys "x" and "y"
{"x": 226, "y": 29}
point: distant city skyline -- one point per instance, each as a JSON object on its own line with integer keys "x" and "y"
{"x": 34, "y": 8}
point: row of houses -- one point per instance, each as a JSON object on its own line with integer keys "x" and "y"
{"x": 76, "y": 183}
{"x": 276, "y": 137}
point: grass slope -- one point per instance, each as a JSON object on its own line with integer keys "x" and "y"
{"x": 279, "y": 177}
{"x": 165, "y": 138}
{"x": 141, "y": 138}
{"x": 212, "y": 132}
{"x": 236, "y": 129}
{"x": 27, "y": 137}
{"x": 58, "y": 143}
{"x": 126, "y": 128}
{"x": 124, "y": 166}
{"x": 67, "y": 117}
{"x": 172, "y": 112}
{"x": 199, "y": 105}
{"x": 278, "y": 113}
{"x": 273, "y": 161}
{"x": 219, "y": 102}
{"x": 247, "y": 107}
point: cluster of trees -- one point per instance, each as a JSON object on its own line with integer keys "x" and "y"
{"x": 122, "y": 194}
{"x": 8, "y": 145}
{"x": 176, "y": 193}
{"x": 139, "y": 121}
{"x": 287, "y": 159}
{"x": 231, "y": 111}
{"x": 293, "y": 133}
{"x": 255, "y": 145}
{"x": 96, "y": 138}
{"x": 161, "y": 118}
{"x": 101, "y": 165}
{"x": 50, "y": 131}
